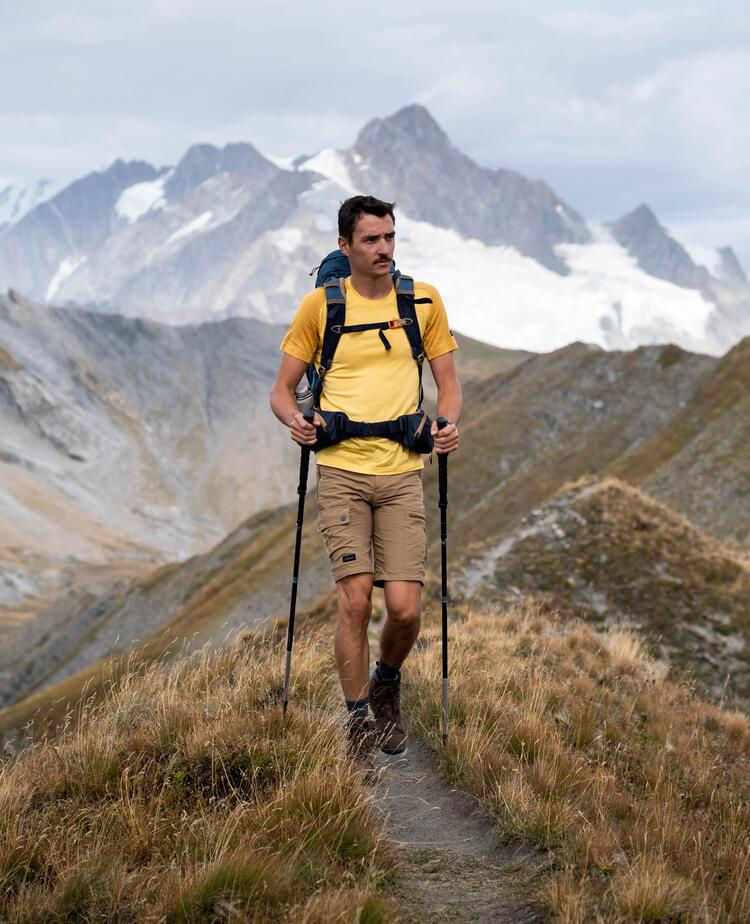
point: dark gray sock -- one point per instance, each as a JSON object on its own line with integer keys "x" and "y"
{"x": 359, "y": 708}
{"x": 386, "y": 672}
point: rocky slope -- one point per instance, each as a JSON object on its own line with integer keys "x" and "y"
{"x": 659, "y": 417}
{"x": 606, "y": 551}
{"x": 699, "y": 463}
{"x": 125, "y": 441}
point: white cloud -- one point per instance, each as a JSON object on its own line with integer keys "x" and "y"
{"x": 605, "y": 27}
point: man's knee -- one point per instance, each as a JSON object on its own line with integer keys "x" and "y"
{"x": 405, "y": 614}
{"x": 355, "y": 600}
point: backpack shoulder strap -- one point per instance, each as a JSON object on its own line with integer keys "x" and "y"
{"x": 405, "y": 301}
{"x": 406, "y": 309}
{"x": 335, "y": 320}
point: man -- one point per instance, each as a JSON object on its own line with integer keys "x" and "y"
{"x": 371, "y": 510}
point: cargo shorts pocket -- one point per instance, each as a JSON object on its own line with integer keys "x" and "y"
{"x": 332, "y": 517}
{"x": 335, "y": 525}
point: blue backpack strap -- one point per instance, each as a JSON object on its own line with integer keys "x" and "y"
{"x": 335, "y": 319}
{"x": 406, "y": 310}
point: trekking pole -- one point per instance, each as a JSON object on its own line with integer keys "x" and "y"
{"x": 306, "y": 404}
{"x": 443, "y": 504}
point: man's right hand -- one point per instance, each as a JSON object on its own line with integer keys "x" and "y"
{"x": 303, "y": 432}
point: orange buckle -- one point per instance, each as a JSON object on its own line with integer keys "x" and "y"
{"x": 394, "y": 322}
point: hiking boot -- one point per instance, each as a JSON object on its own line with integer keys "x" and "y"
{"x": 362, "y": 745}
{"x": 385, "y": 702}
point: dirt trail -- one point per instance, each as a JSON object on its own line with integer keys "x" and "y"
{"x": 452, "y": 866}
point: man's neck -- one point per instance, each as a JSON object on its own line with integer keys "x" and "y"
{"x": 372, "y": 287}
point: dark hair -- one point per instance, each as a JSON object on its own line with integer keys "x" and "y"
{"x": 352, "y": 208}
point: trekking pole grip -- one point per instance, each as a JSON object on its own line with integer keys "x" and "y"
{"x": 443, "y": 422}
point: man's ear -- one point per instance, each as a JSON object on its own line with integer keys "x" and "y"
{"x": 344, "y": 246}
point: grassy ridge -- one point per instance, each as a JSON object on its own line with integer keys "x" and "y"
{"x": 184, "y": 796}
{"x": 575, "y": 740}
{"x": 606, "y": 551}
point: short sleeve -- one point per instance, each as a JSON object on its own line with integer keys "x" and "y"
{"x": 437, "y": 337}
{"x": 302, "y": 338}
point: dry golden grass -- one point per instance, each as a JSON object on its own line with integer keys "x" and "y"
{"x": 185, "y": 796}
{"x": 576, "y": 741}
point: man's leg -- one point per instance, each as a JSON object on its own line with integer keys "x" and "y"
{"x": 403, "y": 603}
{"x": 399, "y": 546}
{"x": 350, "y": 645}
{"x": 345, "y": 521}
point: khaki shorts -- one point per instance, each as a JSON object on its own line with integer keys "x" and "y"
{"x": 373, "y": 523}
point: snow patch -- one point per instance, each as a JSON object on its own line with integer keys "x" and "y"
{"x": 495, "y": 294}
{"x": 140, "y": 198}
{"x": 191, "y": 227}
{"x": 283, "y": 163}
{"x": 331, "y": 164}
{"x": 708, "y": 257}
{"x": 18, "y": 198}
{"x": 65, "y": 269}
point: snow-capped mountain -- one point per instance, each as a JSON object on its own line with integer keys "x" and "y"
{"x": 18, "y": 198}
{"x": 230, "y": 232}
{"x": 435, "y": 183}
{"x": 716, "y": 275}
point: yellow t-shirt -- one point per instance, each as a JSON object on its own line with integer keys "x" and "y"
{"x": 366, "y": 381}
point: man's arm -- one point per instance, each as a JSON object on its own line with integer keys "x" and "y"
{"x": 449, "y": 402}
{"x": 284, "y": 405}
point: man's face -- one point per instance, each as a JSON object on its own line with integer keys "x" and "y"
{"x": 370, "y": 250}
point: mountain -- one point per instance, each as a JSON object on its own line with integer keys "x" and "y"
{"x": 409, "y": 159}
{"x": 699, "y": 462}
{"x": 657, "y": 253}
{"x": 729, "y": 268}
{"x": 56, "y": 236}
{"x": 124, "y": 442}
{"x": 227, "y": 232}
{"x": 18, "y": 198}
{"x": 660, "y": 255}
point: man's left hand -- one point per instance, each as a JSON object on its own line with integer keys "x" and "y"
{"x": 446, "y": 440}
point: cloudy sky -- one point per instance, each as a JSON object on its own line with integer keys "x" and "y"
{"x": 612, "y": 104}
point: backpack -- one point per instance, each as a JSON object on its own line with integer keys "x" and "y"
{"x": 411, "y": 430}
